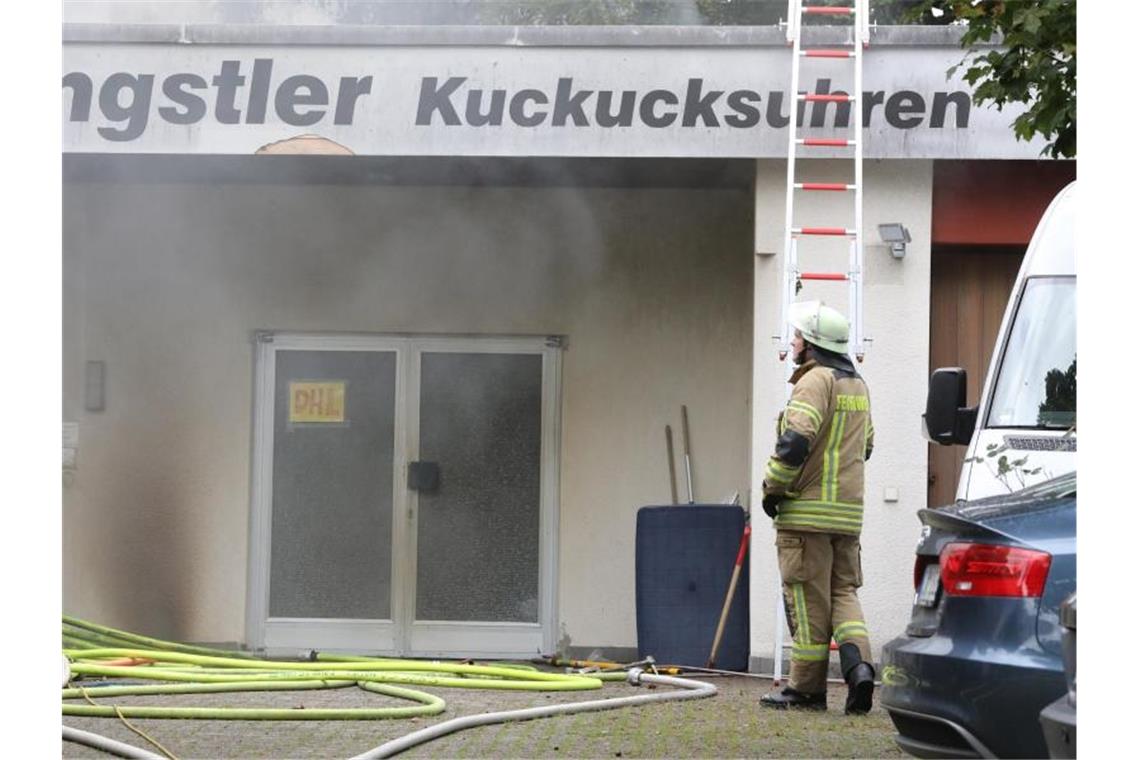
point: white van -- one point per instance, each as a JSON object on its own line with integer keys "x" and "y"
{"x": 1024, "y": 428}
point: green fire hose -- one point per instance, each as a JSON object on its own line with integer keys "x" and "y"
{"x": 99, "y": 651}
{"x": 106, "y": 653}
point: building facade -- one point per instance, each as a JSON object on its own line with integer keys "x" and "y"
{"x": 371, "y": 335}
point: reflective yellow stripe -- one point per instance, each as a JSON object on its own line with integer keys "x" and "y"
{"x": 852, "y": 633}
{"x": 802, "y": 648}
{"x": 850, "y": 630}
{"x": 808, "y": 409}
{"x": 803, "y": 628}
{"x": 798, "y": 509}
{"x": 831, "y": 481}
{"x": 841, "y": 507}
{"x": 772, "y": 476}
{"x": 811, "y": 648}
{"x": 820, "y": 514}
{"x": 810, "y": 652}
{"x": 825, "y": 479}
{"x": 824, "y": 517}
{"x": 780, "y": 473}
{"x": 824, "y": 524}
{"x": 776, "y": 464}
{"x": 797, "y": 595}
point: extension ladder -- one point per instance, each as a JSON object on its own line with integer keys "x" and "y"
{"x": 858, "y": 12}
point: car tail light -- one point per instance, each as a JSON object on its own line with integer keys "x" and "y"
{"x": 989, "y": 570}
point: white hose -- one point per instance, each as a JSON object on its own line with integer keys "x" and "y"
{"x": 689, "y": 690}
{"x": 107, "y": 745}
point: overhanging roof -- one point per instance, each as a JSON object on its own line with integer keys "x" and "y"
{"x": 494, "y": 36}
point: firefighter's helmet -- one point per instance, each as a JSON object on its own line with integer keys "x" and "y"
{"x": 820, "y": 325}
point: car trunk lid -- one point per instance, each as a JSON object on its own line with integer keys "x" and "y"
{"x": 1041, "y": 518}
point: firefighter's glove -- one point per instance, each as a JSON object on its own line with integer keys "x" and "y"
{"x": 771, "y": 505}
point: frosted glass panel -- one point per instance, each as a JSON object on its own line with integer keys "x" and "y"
{"x": 332, "y": 484}
{"x": 481, "y": 421}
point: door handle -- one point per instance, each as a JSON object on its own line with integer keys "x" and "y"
{"x": 423, "y": 476}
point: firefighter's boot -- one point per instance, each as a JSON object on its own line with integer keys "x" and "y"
{"x": 860, "y": 678}
{"x": 789, "y": 697}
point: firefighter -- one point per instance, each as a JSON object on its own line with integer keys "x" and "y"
{"x": 813, "y": 490}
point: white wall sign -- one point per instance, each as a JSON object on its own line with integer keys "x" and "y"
{"x": 502, "y": 101}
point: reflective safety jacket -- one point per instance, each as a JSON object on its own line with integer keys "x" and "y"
{"x": 824, "y": 436}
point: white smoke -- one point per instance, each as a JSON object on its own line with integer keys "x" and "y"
{"x": 330, "y": 12}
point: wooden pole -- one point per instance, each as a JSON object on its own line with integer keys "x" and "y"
{"x": 672, "y": 467}
{"x": 731, "y": 591}
{"x": 688, "y": 463}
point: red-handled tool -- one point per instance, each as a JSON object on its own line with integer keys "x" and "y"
{"x": 731, "y": 591}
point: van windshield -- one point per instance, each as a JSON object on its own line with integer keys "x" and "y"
{"x": 1037, "y": 382}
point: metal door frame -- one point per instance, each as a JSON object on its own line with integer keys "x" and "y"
{"x": 398, "y": 634}
{"x": 499, "y": 639}
{"x": 289, "y": 634}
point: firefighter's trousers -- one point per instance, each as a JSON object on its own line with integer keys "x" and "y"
{"x": 821, "y": 574}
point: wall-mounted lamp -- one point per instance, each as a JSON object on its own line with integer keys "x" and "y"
{"x": 896, "y": 236}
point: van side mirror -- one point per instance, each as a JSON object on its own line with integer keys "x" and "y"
{"x": 947, "y": 419}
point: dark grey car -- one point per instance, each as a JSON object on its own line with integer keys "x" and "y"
{"x": 982, "y": 655}
{"x": 1059, "y": 718}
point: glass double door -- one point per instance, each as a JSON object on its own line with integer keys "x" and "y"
{"x": 404, "y": 495}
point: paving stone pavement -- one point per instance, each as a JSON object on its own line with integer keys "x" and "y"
{"x": 727, "y": 725}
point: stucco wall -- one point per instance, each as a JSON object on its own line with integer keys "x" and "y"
{"x": 897, "y": 318}
{"x": 166, "y": 282}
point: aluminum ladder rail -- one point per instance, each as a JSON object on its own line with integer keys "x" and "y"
{"x": 859, "y": 12}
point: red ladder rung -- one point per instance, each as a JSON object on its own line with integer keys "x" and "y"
{"x": 813, "y": 98}
{"x": 822, "y": 276}
{"x": 836, "y": 186}
{"x": 822, "y": 231}
{"x": 828, "y": 10}
{"x": 819, "y": 142}
{"x": 828, "y": 53}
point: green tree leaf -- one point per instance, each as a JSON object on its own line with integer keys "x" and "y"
{"x": 1036, "y": 63}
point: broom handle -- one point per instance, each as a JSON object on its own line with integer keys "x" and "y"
{"x": 688, "y": 464}
{"x": 731, "y": 592}
{"x": 672, "y": 467}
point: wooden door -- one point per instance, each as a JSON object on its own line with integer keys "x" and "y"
{"x": 969, "y": 289}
